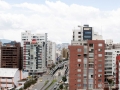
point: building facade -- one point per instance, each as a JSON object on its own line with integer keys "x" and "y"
{"x": 51, "y": 53}
{"x": 9, "y": 78}
{"x": 11, "y": 55}
{"x": 110, "y": 62}
{"x": 34, "y": 52}
{"x": 0, "y": 52}
{"x": 118, "y": 71}
{"x": 86, "y": 60}
{"x": 64, "y": 53}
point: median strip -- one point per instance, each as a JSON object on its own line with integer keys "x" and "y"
{"x": 51, "y": 84}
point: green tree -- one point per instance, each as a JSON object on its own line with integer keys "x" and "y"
{"x": 61, "y": 86}
{"x": 21, "y": 89}
{"x": 53, "y": 65}
{"x": 64, "y": 79}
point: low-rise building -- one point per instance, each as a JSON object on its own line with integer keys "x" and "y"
{"x": 9, "y": 77}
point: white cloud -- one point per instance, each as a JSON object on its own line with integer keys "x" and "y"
{"x": 57, "y": 19}
{"x": 4, "y": 5}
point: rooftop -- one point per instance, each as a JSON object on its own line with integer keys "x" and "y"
{"x": 8, "y": 72}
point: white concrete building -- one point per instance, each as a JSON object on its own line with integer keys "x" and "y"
{"x": 34, "y": 52}
{"x": 9, "y": 77}
{"x": 79, "y": 34}
{"x": 51, "y": 52}
{"x": 110, "y": 61}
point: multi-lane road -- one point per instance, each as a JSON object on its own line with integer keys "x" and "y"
{"x": 44, "y": 78}
{"x": 41, "y": 82}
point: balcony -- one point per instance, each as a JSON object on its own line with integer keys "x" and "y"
{"x": 91, "y": 61}
{"x": 3, "y": 80}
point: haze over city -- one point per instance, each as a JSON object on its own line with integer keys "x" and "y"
{"x": 58, "y": 18}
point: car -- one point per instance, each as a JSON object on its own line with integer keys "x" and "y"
{"x": 55, "y": 87}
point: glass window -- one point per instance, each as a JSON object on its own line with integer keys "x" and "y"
{"x": 87, "y": 36}
{"x": 87, "y": 32}
{"x": 99, "y": 70}
{"x": 99, "y": 55}
{"x": 79, "y": 70}
{"x": 78, "y": 85}
{"x": 79, "y": 75}
{"x": 79, "y": 60}
{"x": 79, "y": 50}
{"x": 99, "y": 44}
{"x": 78, "y": 80}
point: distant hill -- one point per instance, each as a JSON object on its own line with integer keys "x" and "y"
{"x": 5, "y": 40}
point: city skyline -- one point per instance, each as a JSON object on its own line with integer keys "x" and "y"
{"x": 50, "y": 17}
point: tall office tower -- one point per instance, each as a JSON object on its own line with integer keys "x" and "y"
{"x": 11, "y": 55}
{"x": 0, "y": 52}
{"x": 34, "y": 52}
{"x": 86, "y": 60}
{"x": 51, "y": 53}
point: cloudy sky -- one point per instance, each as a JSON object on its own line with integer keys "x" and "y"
{"x": 59, "y": 18}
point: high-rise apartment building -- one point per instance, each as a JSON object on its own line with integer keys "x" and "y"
{"x": 110, "y": 62}
{"x": 11, "y": 55}
{"x": 51, "y": 53}
{"x": 86, "y": 60}
{"x": 34, "y": 52}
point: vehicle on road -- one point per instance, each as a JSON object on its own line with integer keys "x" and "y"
{"x": 40, "y": 79}
{"x": 55, "y": 87}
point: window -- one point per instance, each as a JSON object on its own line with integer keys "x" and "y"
{"x": 87, "y": 36}
{"x": 99, "y": 70}
{"x": 99, "y": 60}
{"x": 78, "y": 80}
{"x": 99, "y": 55}
{"x": 79, "y": 70}
{"x": 87, "y": 32}
{"x": 78, "y": 85}
{"x": 79, "y": 55}
{"x": 100, "y": 44}
{"x": 79, "y": 32}
{"x": 90, "y": 70}
{"x": 85, "y": 65}
{"x": 79, "y": 60}
{"x": 99, "y": 65}
{"x": 78, "y": 65}
{"x": 99, "y": 50}
{"x": 90, "y": 80}
{"x": 79, "y": 50}
{"x": 79, "y": 75}
{"x": 79, "y": 36}
{"x": 84, "y": 76}
{"x": 117, "y": 51}
{"x": 99, "y": 80}
{"x": 99, "y": 75}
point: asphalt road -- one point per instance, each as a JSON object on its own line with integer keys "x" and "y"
{"x": 58, "y": 79}
{"x": 40, "y": 84}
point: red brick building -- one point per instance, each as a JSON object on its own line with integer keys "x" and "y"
{"x": 86, "y": 69}
{"x": 86, "y": 60}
